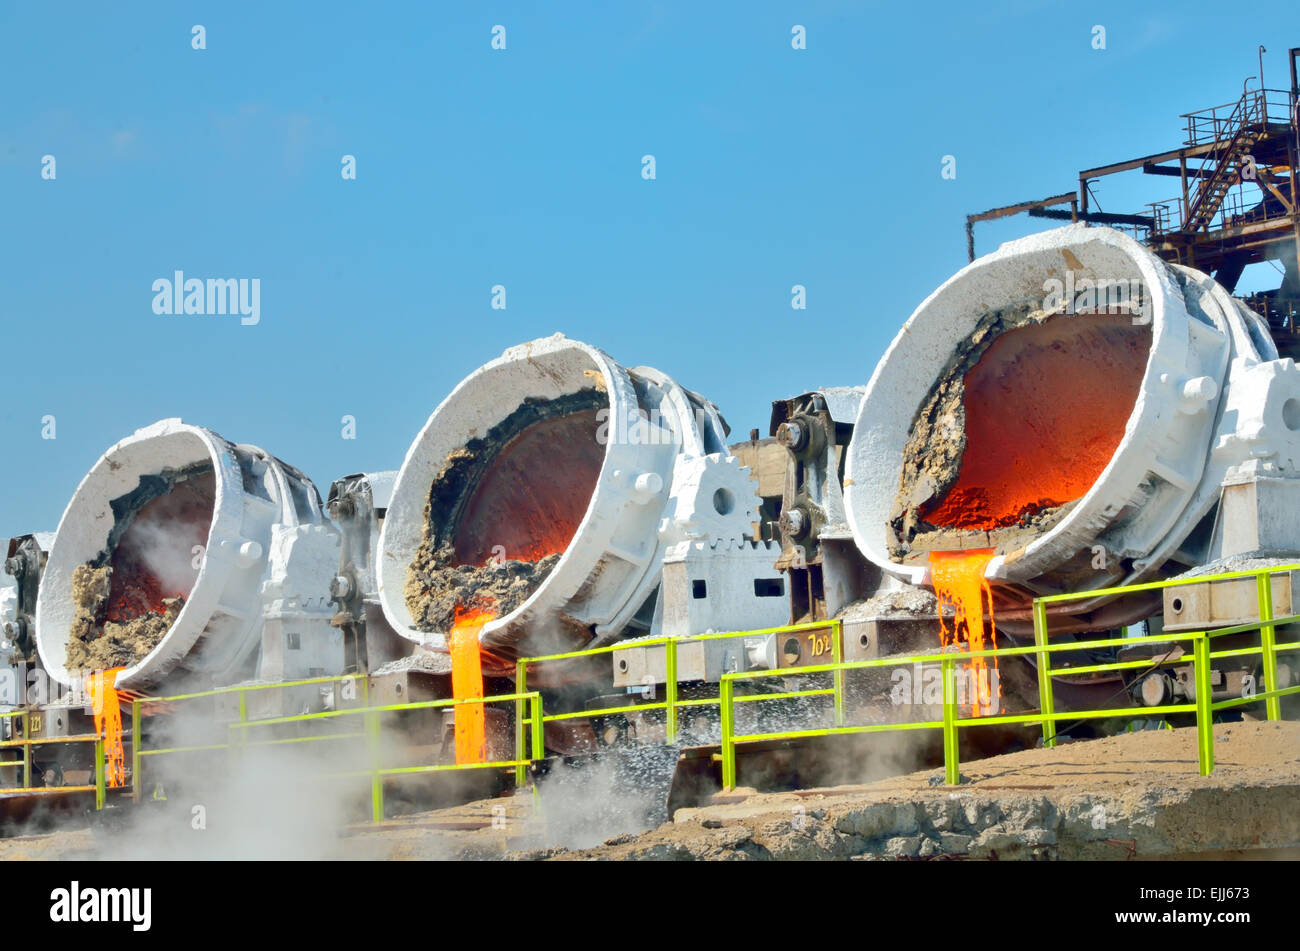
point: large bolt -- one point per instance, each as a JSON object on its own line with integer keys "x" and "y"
{"x": 792, "y": 435}
{"x": 647, "y": 486}
{"x": 795, "y": 522}
{"x": 1196, "y": 394}
{"x": 1156, "y": 689}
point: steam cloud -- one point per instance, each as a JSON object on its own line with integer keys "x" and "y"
{"x": 166, "y": 552}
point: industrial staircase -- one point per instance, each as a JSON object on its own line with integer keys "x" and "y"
{"x": 1220, "y": 168}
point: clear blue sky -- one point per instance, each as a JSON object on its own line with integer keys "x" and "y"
{"x": 523, "y": 168}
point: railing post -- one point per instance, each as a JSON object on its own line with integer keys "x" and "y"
{"x": 1267, "y": 641}
{"x": 135, "y": 750}
{"x": 539, "y": 739}
{"x": 521, "y": 687}
{"x": 372, "y": 740}
{"x": 837, "y": 678}
{"x": 236, "y": 749}
{"x": 376, "y": 781}
{"x": 27, "y": 751}
{"x": 951, "y": 763}
{"x": 1046, "y": 704}
{"x": 728, "y": 747}
{"x": 538, "y": 747}
{"x": 670, "y": 690}
{"x": 1204, "y": 713}
{"x": 99, "y": 774}
{"x": 238, "y": 729}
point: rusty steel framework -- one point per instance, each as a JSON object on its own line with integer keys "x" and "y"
{"x": 1212, "y": 224}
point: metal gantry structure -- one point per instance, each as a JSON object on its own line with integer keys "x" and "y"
{"x": 1237, "y": 203}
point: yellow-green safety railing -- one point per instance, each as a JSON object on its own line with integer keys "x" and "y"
{"x": 237, "y": 737}
{"x": 138, "y": 752}
{"x": 1202, "y": 705}
{"x": 26, "y": 744}
{"x": 951, "y": 722}
{"x": 372, "y": 735}
{"x": 530, "y": 721}
{"x": 671, "y": 704}
{"x": 1266, "y": 624}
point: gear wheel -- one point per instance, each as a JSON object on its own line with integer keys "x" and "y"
{"x": 712, "y": 499}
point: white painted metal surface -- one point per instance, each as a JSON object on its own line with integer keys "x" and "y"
{"x": 666, "y": 479}
{"x": 263, "y": 509}
{"x": 1213, "y": 396}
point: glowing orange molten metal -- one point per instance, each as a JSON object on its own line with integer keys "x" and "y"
{"x": 467, "y": 683}
{"x": 133, "y": 593}
{"x": 1046, "y": 407}
{"x": 958, "y": 578}
{"x": 108, "y": 722}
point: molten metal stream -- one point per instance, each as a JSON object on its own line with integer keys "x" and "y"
{"x": 467, "y": 683}
{"x": 108, "y": 722}
{"x": 958, "y": 578}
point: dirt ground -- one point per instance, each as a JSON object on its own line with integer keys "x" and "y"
{"x": 1134, "y": 796}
